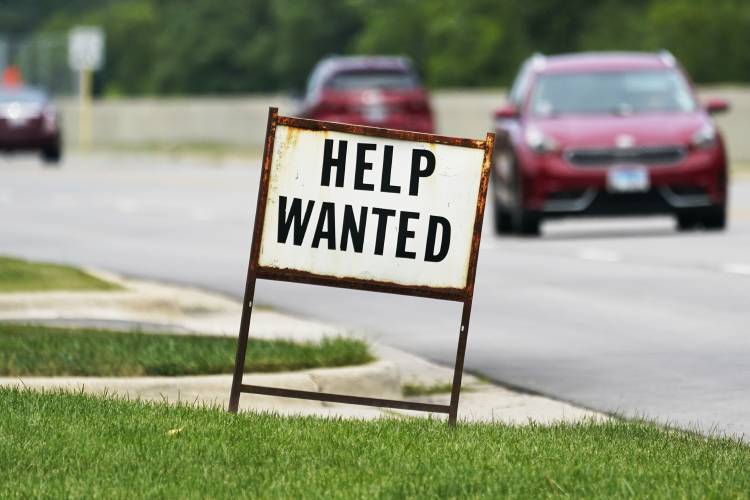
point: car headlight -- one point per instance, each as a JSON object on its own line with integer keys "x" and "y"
{"x": 539, "y": 142}
{"x": 705, "y": 137}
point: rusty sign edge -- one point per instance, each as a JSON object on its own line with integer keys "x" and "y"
{"x": 386, "y": 133}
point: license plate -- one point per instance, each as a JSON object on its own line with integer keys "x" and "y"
{"x": 628, "y": 179}
{"x": 375, "y": 113}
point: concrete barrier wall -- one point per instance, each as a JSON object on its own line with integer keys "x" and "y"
{"x": 736, "y": 123}
{"x": 140, "y": 121}
{"x": 241, "y": 121}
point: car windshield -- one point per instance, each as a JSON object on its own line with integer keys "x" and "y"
{"x": 381, "y": 79}
{"x": 21, "y": 96}
{"x": 611, "y": 92}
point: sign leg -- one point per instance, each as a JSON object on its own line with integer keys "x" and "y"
{"x": 239, "y": 363}
{"x": 458, "y": 369}
{"x": 84, "y": 109}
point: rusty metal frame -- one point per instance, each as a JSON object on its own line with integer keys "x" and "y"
{"x": 255, "y": 271}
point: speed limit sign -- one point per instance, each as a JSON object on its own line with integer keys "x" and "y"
{"x": 86, "y": 48}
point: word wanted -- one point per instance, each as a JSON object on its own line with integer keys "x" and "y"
{"x": 298, "y": 217}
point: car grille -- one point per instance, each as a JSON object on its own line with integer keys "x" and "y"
{"x": 659, "y": 155}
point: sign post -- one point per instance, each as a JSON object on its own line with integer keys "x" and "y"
{"x": 85, "y": 55}
{"x": 370, "y": 209}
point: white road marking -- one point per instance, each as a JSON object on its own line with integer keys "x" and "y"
{"x": 599, "y": 255}
{"x": 736, "y": 268}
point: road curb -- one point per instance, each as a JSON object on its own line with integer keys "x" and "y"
{"x": 161, "y": 308}
{"x": 187, "y": 310}
{"x": 182, "y": 310}
{"x": 378, "y": 379}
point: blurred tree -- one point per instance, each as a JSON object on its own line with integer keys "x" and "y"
{"x": 453, "y": 43}
{"x": 628, "y": 32}
{"x": 212, "y": 47}
{"x": 21, "y": 17}
{"x": 395, "y": 27}
{"x": 477, "y": 46}
{"x": 710, "y": 39}
{"x": 235, "y": 46}
{"x": 130, "y": 46}
{"x": 305, "y": 31}
{"x": 554, "y": 26}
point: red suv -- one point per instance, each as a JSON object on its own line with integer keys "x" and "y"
{"x": 607, "y": 134}
{"x": 377, "y": 91}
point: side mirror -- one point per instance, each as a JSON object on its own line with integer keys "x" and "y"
{"x": 716, "y": 105}
{"x": 507, "y": 112}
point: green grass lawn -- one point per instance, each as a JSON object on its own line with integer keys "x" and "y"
{"x": 17, "y": 275}
{"x": 75, "y": 445}
{"x": 51, "y": 351}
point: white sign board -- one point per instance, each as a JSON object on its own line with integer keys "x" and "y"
{"x": 384, "y": 209}
{"x": 86, "y": 48}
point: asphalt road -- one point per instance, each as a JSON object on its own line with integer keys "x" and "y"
{"x": 619, "y": 315}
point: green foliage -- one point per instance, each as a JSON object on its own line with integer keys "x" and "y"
{"x": 36, "y": 350}
{"x": 17, "y": 275}
{"x": 236, "y": 46}
{"x": 67, "y": 445}
{"x": 633, "y": 32}
{"x": 305, "y": 31}
{"x": 710, "y": 38}
{"x": 208, "y": 47}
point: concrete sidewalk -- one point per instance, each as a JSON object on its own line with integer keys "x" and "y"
{"x": 168, "y": 309}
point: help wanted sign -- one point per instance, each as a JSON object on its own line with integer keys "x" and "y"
{"x": 372, "y": 204}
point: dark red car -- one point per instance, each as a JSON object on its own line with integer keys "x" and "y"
{"x": 29, "y": 121}
{"x": 607, "y": 134}
{"x": 378, "y": 91}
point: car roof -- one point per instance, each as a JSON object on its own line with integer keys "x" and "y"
{"x": 335, "y": 64}
{"x": 326, "y": 68}
{"x": 602, "y": 61}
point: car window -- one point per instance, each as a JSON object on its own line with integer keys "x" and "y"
{"x": 21, "y": 96}
{"x": 519, "y": 86}
{"x": 314, "y": 81}
{"x": 611, "y": 92}
{"x": 381, "y": 79}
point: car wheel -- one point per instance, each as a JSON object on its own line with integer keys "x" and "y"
{"x": 714, "y": 218}
{"x": 527, "y": 223}
{"x": 686, "y": 221}
{"x": 502, "y": 214}
{"x": 51, "y": 155}
{"x": 503, "y": 220}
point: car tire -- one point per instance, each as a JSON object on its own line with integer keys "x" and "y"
{"x": 527, "y": 223}
{"x": 686, "y": 221}
{"x": 503, "y": 219}
{"x": 51, "y": 155}
{"x": 714, "y": 218}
